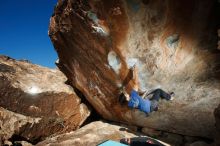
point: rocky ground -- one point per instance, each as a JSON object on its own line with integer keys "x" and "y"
{"x": 90, "y": 135}
{"x": 35, "y": 102}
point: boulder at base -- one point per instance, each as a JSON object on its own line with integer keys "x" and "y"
{"x": 35, "y": 102}
{"x": 90, "y": 135}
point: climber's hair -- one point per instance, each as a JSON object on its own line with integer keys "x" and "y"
{"x": 122, "y": 99}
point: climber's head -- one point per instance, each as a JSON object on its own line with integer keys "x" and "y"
{"x": 122, "y": 98}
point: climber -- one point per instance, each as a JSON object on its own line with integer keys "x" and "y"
{"x": 136, "y": 101}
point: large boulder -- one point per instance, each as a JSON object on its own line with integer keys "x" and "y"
{"x": 173, "y": 44}
{"x": 91, "y": 135}
{"x": 38, "y": 93}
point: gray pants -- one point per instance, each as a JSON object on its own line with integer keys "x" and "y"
{"x": 157, "y": 94}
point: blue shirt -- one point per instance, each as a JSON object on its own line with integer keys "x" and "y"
{"x": 138, "y": 102}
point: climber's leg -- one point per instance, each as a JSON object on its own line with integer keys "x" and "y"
{"x": 160, "y": 93}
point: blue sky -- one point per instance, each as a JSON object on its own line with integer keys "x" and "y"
{"x": 24, "y": 30}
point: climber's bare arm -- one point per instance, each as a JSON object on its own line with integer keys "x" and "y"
{"x": 134, "y": 83}
{"x": 135, "y": 77}
{"x": 126, "y": 95}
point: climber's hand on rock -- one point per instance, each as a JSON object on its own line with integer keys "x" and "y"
{"x": 133, "y": 67}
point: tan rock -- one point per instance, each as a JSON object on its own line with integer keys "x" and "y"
{"x": 24, "y": 143}
{"x": 89, "y": 135}
{"x": 172, "y": 47}
{"x": 35, "y": 92}
{"x": 8, "y": 143}
{"x": 11, "y": 122}
{"x": 129, "y": 127}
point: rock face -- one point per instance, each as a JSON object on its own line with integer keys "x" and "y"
{"x": 11, "y": 122}
{"x": 89, "y": 135}
{"x": 219, "y": 39}
{"x": 217, "y": 124}
{"x": 35, "y": 102}
{"x": 173, "y": 44}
